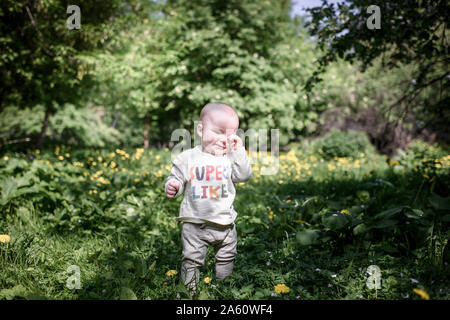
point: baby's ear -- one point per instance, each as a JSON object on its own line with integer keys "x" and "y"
{"x": 200, "y": 129}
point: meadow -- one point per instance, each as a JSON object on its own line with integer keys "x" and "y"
{"x": 310, "y": 231}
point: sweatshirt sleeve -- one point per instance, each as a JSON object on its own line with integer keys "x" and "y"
{"x": 178, "y": 173}
{"x": 240, "y": 165}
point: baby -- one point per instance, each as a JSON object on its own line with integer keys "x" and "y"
{"x": 206, "y": 174}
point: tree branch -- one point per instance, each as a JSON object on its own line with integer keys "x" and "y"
{"x": 33, "y": 22}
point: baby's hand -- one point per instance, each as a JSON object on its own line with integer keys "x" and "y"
{"x": 235, "y": 142}
{"x": 172, "y": 188}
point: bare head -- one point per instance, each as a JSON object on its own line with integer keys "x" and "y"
{"x": 213, "y": 108}
{"x": 218, "y": 122}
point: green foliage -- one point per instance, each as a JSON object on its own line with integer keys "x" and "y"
{"x": 315, "y": 226}
{"x": 412, "y": 33}
{"x": 83, "y": 127}
{"x": 337, "y": 143}
{"x": 222, "y": 52}
{"x": 77, "y": 126}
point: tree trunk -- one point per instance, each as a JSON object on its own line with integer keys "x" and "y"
{"x": 116, "y": 117}
{"x": 147, "y": 131}
{"x": 41, "y": 136}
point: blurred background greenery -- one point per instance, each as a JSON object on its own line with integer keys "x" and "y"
{"x": 137, "y": 70}
{"x": 86, "y": 118}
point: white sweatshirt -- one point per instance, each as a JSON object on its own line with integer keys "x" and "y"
{"x": 207, "y": 182}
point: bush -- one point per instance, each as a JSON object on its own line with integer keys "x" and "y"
{"x": 424, "y": 150}
{"x": 337, "y": 143}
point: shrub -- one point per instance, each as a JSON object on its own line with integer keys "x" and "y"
{"x": 336, "y": 143}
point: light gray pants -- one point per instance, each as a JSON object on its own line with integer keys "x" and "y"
{"x": 196, "y": 238}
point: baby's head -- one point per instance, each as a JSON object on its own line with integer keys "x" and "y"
{"x": 218, "y": 121}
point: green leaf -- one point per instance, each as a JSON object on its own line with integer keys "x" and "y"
{"x": 16, "y": 291}
{"x": 439, "y": 202}
{"x": 307, "y": 237}
{"x": 413, "y": 213}
{"x": 389, "y": 213}
{"x": 127, "y": 294}
{"x": 360, "y": 229}
{"x": 335, "y": 220}
{"x": 8, "y": 190}
{"x": 33, "y": 296}
{"x": 387, "y": 223}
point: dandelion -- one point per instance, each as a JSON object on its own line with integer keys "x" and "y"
{"x": 345, "y": 211}
{"x": 171, "y": 273}
{"x": 393, "y": 163}
{"x": 422, "y": 293}
{"x": 289, "y": 200}
{"x": 4, "y": 238}
{"x": 207, "y": 280}
{"x": 281, "y": 288}
{"x": 5, "y": 158}
{"x": 271, "y": 215}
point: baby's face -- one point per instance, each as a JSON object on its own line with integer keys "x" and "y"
{"x": 216, "y": 129}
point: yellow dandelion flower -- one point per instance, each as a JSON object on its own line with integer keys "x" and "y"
{"x": 5, "y": 158}
{"x": 207, "y": 280}
{"x": 67, "y": 155}
{"x": 280, "y": 181}
{"x": 393, "y": 163}
{"x": 281, "y": 288}
{"x": 171, "y": 273}
{"x": 422, "y": 293}
{"x": 345, "y": 211}
{"x": 289, "y": 200}
{"x": 4, "y": 238}
{"x": 61, "y": 158}
{"x": 271, "y": 215}
{"x": 137, "y": 180}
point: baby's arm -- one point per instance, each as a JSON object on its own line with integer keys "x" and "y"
{"x": 240, "y": 163}
{"x": 175, "y": 181}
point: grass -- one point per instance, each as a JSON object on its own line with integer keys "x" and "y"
{"x": 314, "y": 226}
